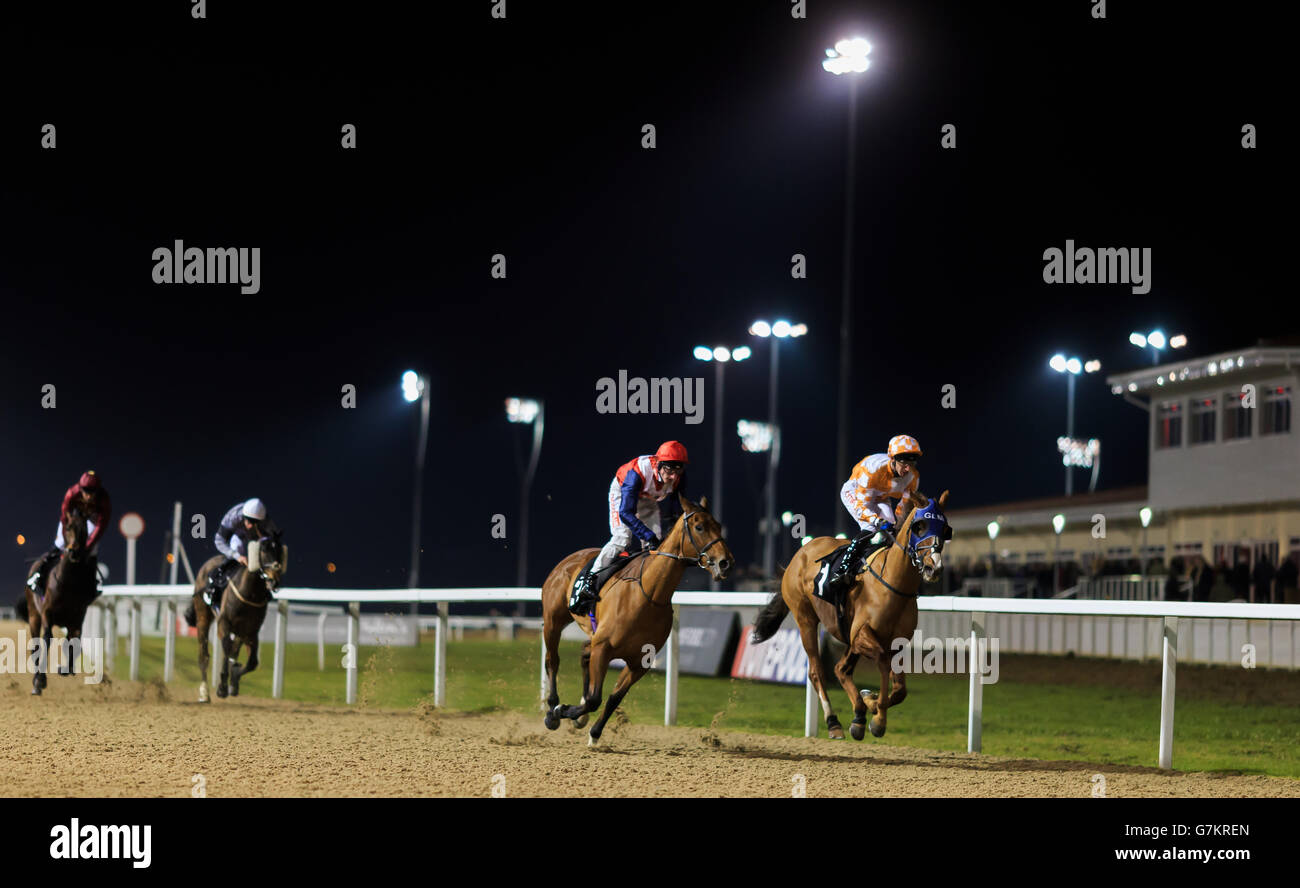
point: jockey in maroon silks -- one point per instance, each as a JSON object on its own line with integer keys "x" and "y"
{"x": 89, "y": 497}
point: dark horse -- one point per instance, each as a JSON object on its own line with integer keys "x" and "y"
{"x": 243, "y": 609}
{"x": 69, "y": 589}
{"x": 634, "y": 615}
{"x": 880, "y": 611}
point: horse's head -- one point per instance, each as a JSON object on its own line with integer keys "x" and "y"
{"x": 700, "y": 538}
{"x": 272, "y": 560}
{"x": 927, "y": 530}
{"x": 74, "y": 535}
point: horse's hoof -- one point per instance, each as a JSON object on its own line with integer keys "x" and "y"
{"x": 221, "y": 692}
{"x": 876, "y": 730}
{"x": 837, "y": 733}
{"x": 36, "y": 692}
{"x": 203, "y": 693}
{"x": 580, "y": 721}
{"x": 858, "y": 730}
{"x": 593, "y": 739}
{"x": 552, "y": 721}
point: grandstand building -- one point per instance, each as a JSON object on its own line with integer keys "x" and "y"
{"x": 1223, "y": 477}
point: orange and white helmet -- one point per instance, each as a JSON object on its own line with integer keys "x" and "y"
{"x": 903, "y": 444}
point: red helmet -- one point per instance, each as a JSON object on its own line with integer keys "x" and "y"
{"x": 672, "y": 451}
{"x": 89, "y": 480}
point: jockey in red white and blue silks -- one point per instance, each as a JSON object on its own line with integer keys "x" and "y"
{"x": 642, "y": 502}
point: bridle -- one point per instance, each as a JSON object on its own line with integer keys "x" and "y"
{"x": 701, "y": 558}
{"x": 915, "y": 553}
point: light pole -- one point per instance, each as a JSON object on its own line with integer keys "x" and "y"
{"x": 1058, "y": 525}
{"x": 414, "y": 387}
{"x": 1155, "y": 340}
{"x": 524, "y": 410}
{"x": 777, "y": 331}
{"x": 1072, "y": 367}
{"x": 849, "y": 57}
{"x": 720, "y": 355}
{"x": 1145, "y": 514}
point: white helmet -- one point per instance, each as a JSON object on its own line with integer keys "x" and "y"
{"x": 255, "y": 509}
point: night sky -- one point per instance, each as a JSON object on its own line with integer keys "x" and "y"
{"x": 478, "y": 136}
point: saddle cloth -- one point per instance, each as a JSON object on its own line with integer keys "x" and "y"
{"x": 830, "y": 563}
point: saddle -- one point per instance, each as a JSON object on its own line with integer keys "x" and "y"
{"x": 830, "y": 563}
{"x": 622, "y": 559}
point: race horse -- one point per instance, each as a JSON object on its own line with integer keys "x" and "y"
{"x": 70, "y": 587}
{"x": 634, "y": 616}
{"x": 243, "y": 609}
{"x": 879, "y": 611}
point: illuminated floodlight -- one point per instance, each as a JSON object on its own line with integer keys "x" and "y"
{"x": 1058, "y": 523}
{"x": 1057, "y": 362}
{"x": 740, "y": 354}
{"x": 760, "y": 328}
{"x": 1074, "y": 365}
{"x": 1156, "y": 339}
{"x": 841, "y": 536}
{"x": 703, "y": 353}
{"x": 1092, "y": 366}
{"x": 781, "y": 329}
{"x": 1132, "y": 386}
{"x": 1077, "y": 452}
{"x": 1138, "y": 339}
{"x": 521, "y": 409}
{"x": 1145, "y": 514}
{"x": 412, "y": 385}
{"x": 1117, "y": 389}
{"x": 798, "y": 329}
{"x": 755, "y": 437}
{"x": 848, "y": 57}
{"x": 1177, "y": 341}
{"x": 787, "y": 518}
{"x": 805, "y": 541}
{"x": 722, "y": 354}
{"x": 994, "y": 527}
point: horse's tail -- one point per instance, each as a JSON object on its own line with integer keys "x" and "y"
{"x": 769, "y": 618}
{"x": 20, "y": 607}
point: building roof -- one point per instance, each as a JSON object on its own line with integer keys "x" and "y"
{"x": 1116, "y": 504}
{"x": 1222, "y": 367}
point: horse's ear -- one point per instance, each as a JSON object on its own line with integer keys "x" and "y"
{"x": 684, "y": 503}
{"x": 704, "y": 503}
{"x": 943, "y": 499}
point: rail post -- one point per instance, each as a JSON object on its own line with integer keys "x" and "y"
{"x": 671, "y": 667}
{"x": 354, "y": 627}
{"x": 135, "y": 639}
{"x": 169, "y": 642}
{"x": 440, "y": 657}
{"x": 975, "y": 716}
{"x": 281, "y": 636}
{"x": 1168, "y": 672}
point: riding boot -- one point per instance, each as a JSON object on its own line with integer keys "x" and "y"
{"x": 585, "y": 595}
{"x": 216, "y": 582}
{"x": 848, "y": 568}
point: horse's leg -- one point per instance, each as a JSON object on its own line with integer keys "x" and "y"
{"x": 882, "y": 702}
{"x": 866, "y": 644}
{"x": 806, "y": 618}
{"x": 42, "y": 672}
{"x": 585, "y": 660}
{"x": 34, "y": 623}
{"x": 552, "y": 626}
{"x": 631, "y": 675}
{"x": 844, "y": 672}
{"x": 66, "y": 666}
{"x": 236, "y": 671}
{"x": 223, "y": 632}
{"x": 203, "y": 621}
{"x": 898, "y": 687}
{"x": 600, "y": 657}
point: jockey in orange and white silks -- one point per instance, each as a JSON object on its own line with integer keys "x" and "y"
{"x": 642, "y": 503}
{"x": 875, "y": 481}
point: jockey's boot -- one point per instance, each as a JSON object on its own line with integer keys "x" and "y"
{"x": 48, "y": 560}
{"x": 848, "y": 567}
{"x": 216, "y": 582}
{"x": 584, "y": 597}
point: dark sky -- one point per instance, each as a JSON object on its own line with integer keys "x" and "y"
{"x": 522, "y": 137}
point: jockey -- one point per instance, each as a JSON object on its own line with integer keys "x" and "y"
{"x": 642, "y": 501}
{"x": 89, "y": 498}
{"x": 242, "y": 522}
{"x": 875, "y": 480}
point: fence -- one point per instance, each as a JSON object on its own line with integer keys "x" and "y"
{"x": 972, "y": 616}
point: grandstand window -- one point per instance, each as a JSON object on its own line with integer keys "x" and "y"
{"x": 1201, "y": 427}
{"x": 1169, "y": 425}
{"x": 1186, "y": 549}
{"x": 1065, "y": 556}
{"x": 1236, "y": 418}
{"x": 1275, "y": 418}
{"x": 1119, "y": 552}
{"x": 1031, "y": 557}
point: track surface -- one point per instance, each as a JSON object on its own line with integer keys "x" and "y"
{"x": 134, "y": 739}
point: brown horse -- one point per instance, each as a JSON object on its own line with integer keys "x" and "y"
{"x": 243, "y": 610}
{"x": 69, "y": 589}
{"x": 634, "y": 615}
{"x": 880, "y": 610}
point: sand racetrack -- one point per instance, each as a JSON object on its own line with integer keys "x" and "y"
{"x": 135, "y": 739}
